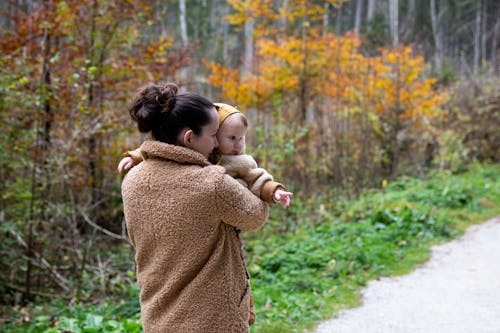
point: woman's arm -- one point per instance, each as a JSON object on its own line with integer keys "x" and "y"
{"x": 238, "y": 206}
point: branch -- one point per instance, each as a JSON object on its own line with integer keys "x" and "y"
{"x": 36, "y": 293}
{"x": 101, "y": 229}
{"x": 59, "y": 279}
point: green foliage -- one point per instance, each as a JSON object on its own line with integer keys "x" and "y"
{"x": 301, "y": 277}
{"x": 305, "y": 273}
{"x": 472, "y": 123}
{"x": 108, "y": 317}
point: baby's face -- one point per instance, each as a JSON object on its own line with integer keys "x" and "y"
{"x": 231, "y": 136}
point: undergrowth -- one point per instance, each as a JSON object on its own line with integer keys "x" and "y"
{"x": 312, "y": 259}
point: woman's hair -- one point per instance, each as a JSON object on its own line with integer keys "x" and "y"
{"x": 159, "y": 109}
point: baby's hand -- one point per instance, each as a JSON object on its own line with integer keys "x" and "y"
{"x": 125, "y": 164}
{"x": 283, "y": 197}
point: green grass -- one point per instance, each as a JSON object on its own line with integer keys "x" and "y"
{"x": 305, "y": 276}
{"x": 58, "y": 317}
{"x": 313, "y": 259}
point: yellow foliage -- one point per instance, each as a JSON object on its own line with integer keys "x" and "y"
{"x": 314, "y": 67}
{"x": 264, "y": 12}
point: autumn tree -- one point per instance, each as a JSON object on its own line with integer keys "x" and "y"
{"x": 331, "y": 97}
{"x": 68, "y": 70}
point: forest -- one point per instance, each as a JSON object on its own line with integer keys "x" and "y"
{"x": 342, "y": 97}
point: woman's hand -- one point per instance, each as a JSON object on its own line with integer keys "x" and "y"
{"x": 283, "y": 197}
{"x": 125, "y": 164}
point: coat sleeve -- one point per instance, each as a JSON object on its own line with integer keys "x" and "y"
{"x": 268, "y": 189}
{"x": 239, "y": 207}
{"x": 136, "y": 155}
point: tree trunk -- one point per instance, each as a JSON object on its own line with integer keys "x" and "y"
{"x": 326, "y": 17}
{"x": 182, "y": 21}
{"x": 437, "y": 37}
{"x": 370, "y": 10}
{"x": 185, "y": 41}
{"x": 494, "y": 42}
{"x": 283, "y": 22}
{"x": 484, "y": 31}
{"x": 357, "y": 18}
{"x": 225, "y": 31}
{"x": 248, "y": 56}
{"x": 43, "y": 150}
{"x": 394, "y": 13}
{"x": 477, "y": 38}
{"x": 91, "y": 141}
{"x": 338, "y": 18}
{"x": 304, "y": 80}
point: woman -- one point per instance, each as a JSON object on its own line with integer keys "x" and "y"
{"x": 182, "y": 214}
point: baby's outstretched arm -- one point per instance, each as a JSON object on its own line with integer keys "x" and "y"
{"x": 131, "y": 158}
{"x": 283, "y": 197}
{"x": 125, "y": 164}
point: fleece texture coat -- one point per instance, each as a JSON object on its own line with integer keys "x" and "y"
{"x": 181, "y": 214}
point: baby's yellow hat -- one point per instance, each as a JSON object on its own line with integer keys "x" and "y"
{"x": 225, "y": 110}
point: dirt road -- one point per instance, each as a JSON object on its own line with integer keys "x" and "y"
{"x": 457, "y": 290}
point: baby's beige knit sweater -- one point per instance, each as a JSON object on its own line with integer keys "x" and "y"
{"x": 181, "y": 212}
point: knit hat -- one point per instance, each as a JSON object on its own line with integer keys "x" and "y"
{"x": 225, "y": 110}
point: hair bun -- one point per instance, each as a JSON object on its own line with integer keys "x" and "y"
{"x": 166, "y": 96}
{"x": 150, "y": 102}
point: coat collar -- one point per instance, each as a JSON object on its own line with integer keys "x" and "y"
{"x": 160, "y": 150}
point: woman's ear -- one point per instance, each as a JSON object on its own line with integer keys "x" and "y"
{"x": 187, "y": 138}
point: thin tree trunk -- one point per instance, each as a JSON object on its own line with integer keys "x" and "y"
{"x": 46, "y": 95}
{"x": 494, "y": 42}
{"x": 437, "y": 38}
{"x": 303, "y": 80}
{"x": 394, "y": 13}
{"x": 225, "y": 31}
{"x": 484, "y": 31}
{"x": 184, "y": 38}
{"x": 338, "y": 18}
{"x": 42, "y": 149}
{"x": 370, "y": 10}
{"x": 477, "y": 38}
{"x": 91, "y": 142}
{"x": 283, "y": 22}
{"x": 326, "y": 17}
{"x": 357, "y": 18}
{"x": 248, "y": 56}
{"x": 182, "y": 21}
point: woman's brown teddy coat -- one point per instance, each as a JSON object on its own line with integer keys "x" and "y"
{"x": 181, "y": 213}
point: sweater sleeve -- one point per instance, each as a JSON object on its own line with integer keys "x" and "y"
{"x": 238, "y": 206}
{"x": 136, "y": 155}
{"x": 268, "y": 189}
{"x": 259, "y": 181}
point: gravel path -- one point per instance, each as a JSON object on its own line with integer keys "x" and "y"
{"x": 457, "y": 290}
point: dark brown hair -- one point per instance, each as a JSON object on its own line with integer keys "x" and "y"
{"x": 159, "y": 109}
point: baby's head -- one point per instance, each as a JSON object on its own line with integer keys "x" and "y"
{"x": 232, "y": 130}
